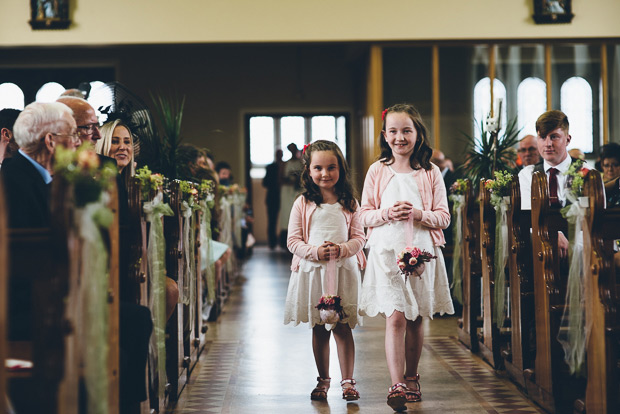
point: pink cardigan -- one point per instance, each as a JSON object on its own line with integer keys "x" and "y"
{"x": 435, "y": 214}
{"x": 299, "y": 232}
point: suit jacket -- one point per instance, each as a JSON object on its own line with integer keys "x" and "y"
{"x": 27, "y": 195}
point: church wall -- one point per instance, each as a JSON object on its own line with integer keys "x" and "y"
{"x": 199, "y": 21}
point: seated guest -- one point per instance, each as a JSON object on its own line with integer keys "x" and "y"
{"x": 528, "y": 152}
{"x": 610, "y": 161}
{"x": 8, "y": 147}
{"x": 85, "y": 117}
{"x": 116, "y": 142}
{"x": 38, "y": 130}
{"x": 552, "y": 142}
{"x": 224, "y": 173}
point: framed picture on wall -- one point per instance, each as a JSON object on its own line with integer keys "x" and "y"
{"x": 49, "y": 14}
{"x": 552, "y": 11}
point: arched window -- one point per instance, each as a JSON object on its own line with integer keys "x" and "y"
{"x": 49, "y": 92}
{"x": 11, "y": 96}
{"x": 482, "y": 102}
{"x": 531, "y": 103}
{"x": 576, "y": 103}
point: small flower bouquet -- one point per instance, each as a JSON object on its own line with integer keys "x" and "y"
{"x": 330, "y": 309}
{"x": 499, "y": 187}
{"x": 458, "y": 187}
{"x": 149, "y": 181}
{"x": 81, "y": 168}
{"x": 411, "y": 261}
{"x": 575, "y": 178}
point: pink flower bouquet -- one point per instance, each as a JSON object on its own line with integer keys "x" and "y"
{"x": 330, "y": 309}
{"x": 411, "y": 261}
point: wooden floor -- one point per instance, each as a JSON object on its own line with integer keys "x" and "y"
{"x": 253, "y": 363}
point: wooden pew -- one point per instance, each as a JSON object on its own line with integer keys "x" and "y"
{"x": 470, "y": 253}
{"x": 490, "y": 342}
{"x": 176, "y": 364}
{"x": 602, "y": 301}
{"x": 3, "y": 296}
{"x": 520, "y": 355}
{"x": 549, "y": 383}
{"x": 56, "y": 347}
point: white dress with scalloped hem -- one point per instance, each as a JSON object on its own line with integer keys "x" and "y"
{"x": 384, "y": 289}
{"x": 308, "y": 283}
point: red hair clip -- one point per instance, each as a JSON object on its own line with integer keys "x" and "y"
{"x": 305, "y": 146}
{"x": 383, "y": 114}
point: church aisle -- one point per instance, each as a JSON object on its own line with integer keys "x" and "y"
{"x": 253, "y": 363}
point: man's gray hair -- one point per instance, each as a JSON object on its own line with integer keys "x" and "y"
{"x": 37, "y": 120}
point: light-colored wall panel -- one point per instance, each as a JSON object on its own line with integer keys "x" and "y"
{"x": 191, "y": 21}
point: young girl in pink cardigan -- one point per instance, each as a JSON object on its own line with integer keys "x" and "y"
{"x": 402, "y": 183}
{"x": 324, "y": 224}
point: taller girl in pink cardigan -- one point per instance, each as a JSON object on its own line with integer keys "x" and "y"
{"x": 402, "y": 183}
{"x": 324, "y": 224}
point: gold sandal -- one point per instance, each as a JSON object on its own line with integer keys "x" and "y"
{"x": 349, "y": 393}
{"x": 319, "y": 393}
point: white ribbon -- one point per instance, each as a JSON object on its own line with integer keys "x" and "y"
{"x": 94, "y": 286}
{"x": 576, "y": 331}
{"x": 156, "y": 251}
{"x": 457, "y": 272}
{"x": 501, "y": 259}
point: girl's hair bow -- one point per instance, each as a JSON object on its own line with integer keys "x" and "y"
{"x": 383, "y": 114}
{"x": 305, "y": 146}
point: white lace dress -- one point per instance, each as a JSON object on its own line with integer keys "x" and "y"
{"x": 308, "y": 283}
{"x": 384, "y": 289}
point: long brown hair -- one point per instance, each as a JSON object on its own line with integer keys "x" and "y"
{"x": 421, "y": 155}
{"x": 343, "y": 188}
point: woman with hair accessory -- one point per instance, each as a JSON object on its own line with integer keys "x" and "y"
{"x": 404, "y": 197}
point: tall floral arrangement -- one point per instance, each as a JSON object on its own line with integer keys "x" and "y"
{"x": 490, "y": 153}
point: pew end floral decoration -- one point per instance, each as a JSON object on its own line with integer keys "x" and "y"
{"x": 82, "y": 169}
{"x": 330, "y": 309}
{"x": 411, "y": 261}
{"x": 575, "y": 179}
{"x": 149, "y": 182}
{"x": 499, "y": 187}
{"x": 459, "y": 187}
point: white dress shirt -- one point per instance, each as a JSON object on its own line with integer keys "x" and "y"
{"x": 525, "y": 181}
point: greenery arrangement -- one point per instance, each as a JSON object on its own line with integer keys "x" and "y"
{"x": 490, "y": 153}
{"x": 82, "y": 169}
{"x": 499, "y": 187}
{"x": 149, "y": 181}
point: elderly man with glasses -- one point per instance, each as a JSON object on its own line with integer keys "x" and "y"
{"x": 528, "y": 151}
{"x": 39, "y": 128}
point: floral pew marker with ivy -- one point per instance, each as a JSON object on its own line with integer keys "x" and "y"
{"x": 574, "y": 331}
{"x": 91, "y": 182}
{"x": 457, "y": 196}
{"x": 500, "y": 200}
{"x": 156, "y": 251}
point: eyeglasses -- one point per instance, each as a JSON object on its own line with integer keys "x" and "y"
{"x": 88, "y": 129}
{"x": 530, "y": 149}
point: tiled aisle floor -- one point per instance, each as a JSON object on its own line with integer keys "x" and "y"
{"x": 255, "y": 364}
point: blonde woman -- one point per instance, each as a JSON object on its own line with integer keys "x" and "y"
{"x": 117, "y": 142}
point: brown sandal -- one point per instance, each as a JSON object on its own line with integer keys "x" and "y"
{"x": 349, "y": 393}
{"x": 319, "y": 393}
{"x": 397, "y": 397}
{"x": 414, "y": 395}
